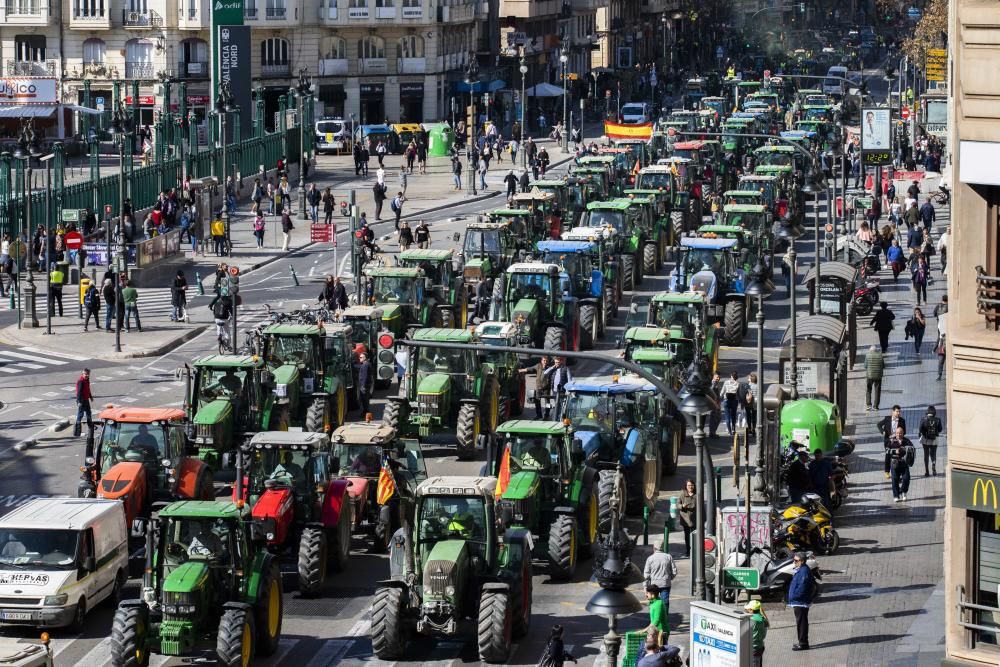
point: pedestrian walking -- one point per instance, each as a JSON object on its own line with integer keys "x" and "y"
{"x": 901, "y": 457}
{"x": 130, "y": 295}
{"x": 258, "y": 229}
{"x": 940, "y": 347}
{"x": 659, "y": 572}
{"x": 397, "y": 207}
{"x": 403, "y": 179}
{"x": 874, "y": 370}
{"x": 912, "y": 215}
{"x": 555, "y": 650}
{"x": 942, "y": 249}
{"x": 313, "y": 198}
{"x": 484, "y": 166}
{"x": 887, "y": 427}
{"x": 422, "y": 156}
{"x": 894, "y": 256}
{"x": 748, "y": 399}
{"x": 366, "y": 383}
{"x": 56, "y": 278}
{"x": 800, "y": 596}
{"x": 218, "y": 231}
{"x": 882, "y": 324}
{"x": 930, "y": 428}
{"x": 378, "y": 193}
{"x": 731, "y": 396}
{"x": 715, "y": 418}
{"x": 687, "y": 508}
{"x": 286, "y": 229}
{"x": 329, "y": 204}
{"x": 405, "y": 236}
{"x": 456, "y": 171}
{"x": 256, "y": 196}
{"x": 511, "y": 180}
{"x": 915, "y": 327}
{"x": 423, "y": 235}
{"x": 919, "y": 276}
{"x": 178, "y": 297}
{"x": 92, "y": 306}
{"x": 759, "y": 624}
{"x": 84, "y": 396}
{"x": 927, "y": 215}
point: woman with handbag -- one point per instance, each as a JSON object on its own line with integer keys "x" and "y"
{"x": 915, "y": 327}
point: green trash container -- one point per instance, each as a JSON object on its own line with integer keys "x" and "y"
{"x": 442, "y": 138}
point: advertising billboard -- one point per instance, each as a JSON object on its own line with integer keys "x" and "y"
{"x": 876, "y": 135}
{"x": 720, "y": 636}
{"x": 27, "y": 90}
{"x": 234, "y": 68}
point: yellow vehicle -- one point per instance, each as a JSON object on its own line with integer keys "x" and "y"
{"x": 406, "y": 132}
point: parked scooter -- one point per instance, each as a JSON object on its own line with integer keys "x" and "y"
{"x": 867, "y": 296}
{"x": 840, "y": 472}
{"x": 776, "y": 570}
{"x": 807, "y": 525}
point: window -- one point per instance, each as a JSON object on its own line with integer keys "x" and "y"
{"x": 29, "y": 48}
{"x": 138, "y": 51}
{"x": 358, "y": 4}
{"x": 88, "y": 9}
{"x": 274, "y": 51}
{"x": 276, "y": 9}
{"x": 194, "y": 51}
{"x": 411, "y": 3}
{"x": 985, "y": 574}
{"x": 411, "y": 46}
{"x": 371, "y": 47}
{"x": 332, "y": 48}
{"x": 384, "y": 3}
{"x": 93, "y": 51}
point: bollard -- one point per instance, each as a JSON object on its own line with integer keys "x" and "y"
{"x": 295, "y": 278}
{"x": 201, "y": 285}
{"x": 645, "y": 526}
{"x": 666, "y": 536}
{"x": 718, "y": 485}
{"x": 12, "y": 305}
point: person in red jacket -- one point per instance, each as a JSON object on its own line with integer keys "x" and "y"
{"x": 83, "y": 399}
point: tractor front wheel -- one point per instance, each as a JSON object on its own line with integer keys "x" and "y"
{"x": 677, "y": 222}
{"x": 495, "y": 628}
{"x": 733, "y": 323}
{"x": 234, "y": 646}
{"x": 447, "y": 318}
{"x": 312, "y": 560}
{"x": 649, "y": 259}
{"x": 128, "y": 637}
{"x": 395, "y": 414}
{"x": 469, "y": 427}
{"x": 629, "y": 278}
{"x": 554, "y": 340}
{"x": 268, "y": 613}
{"x": 339, "y": 537}
{"x": 588, "y": 326}
{"x": 606, "y": 510}
{"x": 388, "y": 638}
{"x": 674, "y": 444}
{"x": 563, "y": 549}
{"x": 316, "y": 415}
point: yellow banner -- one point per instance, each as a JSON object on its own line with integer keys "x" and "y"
{"x": 620, "y": 131}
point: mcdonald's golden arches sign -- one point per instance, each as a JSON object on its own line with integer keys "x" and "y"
{"x": 975, "y": 491}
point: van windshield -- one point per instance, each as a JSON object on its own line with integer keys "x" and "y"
{"x": 30, "y": 548}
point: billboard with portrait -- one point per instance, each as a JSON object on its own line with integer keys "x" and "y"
{"x": 876, "y": 130}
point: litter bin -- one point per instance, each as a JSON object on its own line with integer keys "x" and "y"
{"x": 84, "y": 285}
{"x": 442, "y": 138}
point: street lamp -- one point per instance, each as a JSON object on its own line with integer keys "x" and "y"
{"x": 303, "y": 90}
{"x": 121, "y": 128}
{"x": 790, "y": 233}
{"x": 564, "y": 59}
{"x": 472, "y": 78}
{"x": 524, "y": 104}
{"x": 761, "y": 288}
{"x": 815, "y": 185}
{"x": 697, "y": 404}
{"x": 28, "y": 148}
{"x": 223, "y": 107}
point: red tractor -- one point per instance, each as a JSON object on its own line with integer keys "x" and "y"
{"x": 304, "y": 512}
{"x": 143, "y": 457}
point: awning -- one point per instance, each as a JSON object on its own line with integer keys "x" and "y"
{"x": 83, "y": 110}
{"x": 544, "y": 90}
{"x": 831, "y": 269}
{"x": 27, "y": 111}
{"x": 480, "y": 86}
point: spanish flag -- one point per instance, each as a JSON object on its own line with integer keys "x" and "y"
{"x": 620, "y": 131}
{"x": 503, "y": 479}
{"x": 386, "y": 484}
{"x": 636, "y": 168}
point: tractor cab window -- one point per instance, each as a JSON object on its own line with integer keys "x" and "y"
{"x": 451, "y": 362}
{"x": 699, "y": 259}
{"x": 41, "y": 549}
{"x": 125, "y": 441}
{"x": 451, "y": 517}
{"x": 653, "y": 181}
{"x": 590, "y": 412}
{"x": 674, "y": 315}
{"x": 363, "y": 331}
{"x": 534, "y": 452}
{"x": 577, "y": 267}
{"x": 626, "y": 414}
{"x": 775, "y": 158}
{"x": 394, "y": 289}
{"x": 603, "y": 218}
{"x": 176, "y": 442}
{"x": 292, "y": 349}
{"x": 201, "y": 539}
{"x": 338, "y": 349}
{"x": 482, "y": 243}
{"x": 415, "y": 460}
{"x": 285, "y": 467}
{"x": 358, "y": 460}
{"x": 220, "y": 383}
{"x": 529, "y": 286}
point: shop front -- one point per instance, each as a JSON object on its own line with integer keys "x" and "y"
{"x": 333, "y": 97}
{"x": 372, "y": 103}
{"x": 29, "y": 97}
{"x": 411, "y": 102}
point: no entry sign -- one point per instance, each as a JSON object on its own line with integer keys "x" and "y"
{"x": 73, "y": 240}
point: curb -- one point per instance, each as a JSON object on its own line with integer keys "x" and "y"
{"x": 193, "y": 332}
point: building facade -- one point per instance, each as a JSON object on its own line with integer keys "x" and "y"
{"x": 972, "y": 510}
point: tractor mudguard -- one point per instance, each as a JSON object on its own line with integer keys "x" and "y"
{"x": 633, "y": 448}
{"x": 580, "y": 490}
{"x": 563, "y": 509}
{"x": 261, "y": 564}
{"x": 187, "y": 476}
{"x": 497, "y": 586}
{"x": 333, "y": 501}
{"x": 238, "y": 605}
{"x": 132, "y": 603}
{"x": 472, "y": 401}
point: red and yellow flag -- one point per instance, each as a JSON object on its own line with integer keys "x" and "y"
{"x": 636, "y": 168}
{"x": 621, "y": 131}
{"x": 503, "y": 479}
{"x": 386, "y": 484}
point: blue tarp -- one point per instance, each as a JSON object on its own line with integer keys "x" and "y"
{"x": 479, "y": 86}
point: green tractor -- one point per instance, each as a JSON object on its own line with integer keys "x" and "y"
{"x": 627, "y": 241}
{"x": 207, "y": 584}
{"x": 537, "y": 300}
{"x": 488, "y": 249}
{"x": 662, "y": 178}
{"x": 572, "y": 196}
{"x": 685, "y": 316}
{"x": 712, "y": 266}
{"x": 546, "y": 220}
{"x": 552, "y": 491}
{"x": 598, "y": 179}
{"x": 654, "y": 229}
{"x": 442, "y": 285}
{"x": 662, "y": 228}
{"x": 586, "y": 284}
{"x": 452, "y": 566}
{"x": 446, "y": 391}
{"x": 504, "y": 365}
{"x": 755, "y": 221}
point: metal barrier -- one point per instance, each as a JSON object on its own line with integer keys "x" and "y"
{"x": 965, "y": 609}
{"x": 988, "y": 297}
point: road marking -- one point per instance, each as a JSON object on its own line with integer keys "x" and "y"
{"x": 99, "y": 655}
{"x": 4, "y": 369}
{"x": 326, "y": 654}
{"x": 284, "y": 646}
{"x": 50, "y": 394}
{"x": 32, "y": 357}
{"x": 61, "y": 355}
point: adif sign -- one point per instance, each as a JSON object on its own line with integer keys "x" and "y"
{"x": 25, "y": 90}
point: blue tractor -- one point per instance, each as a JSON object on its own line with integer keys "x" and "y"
{"x": 712, "y": 266}
{"x": 584, "y": 280}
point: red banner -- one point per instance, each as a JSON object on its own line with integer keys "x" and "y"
{"x": 908, "y": 175}
{"x": 621, "y": 131}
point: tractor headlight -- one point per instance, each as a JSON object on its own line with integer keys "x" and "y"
{"x": 55, "y": 600}
{"x": 89, "y": 461}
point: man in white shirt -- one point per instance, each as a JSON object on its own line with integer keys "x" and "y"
{"x": 659, "y": 571}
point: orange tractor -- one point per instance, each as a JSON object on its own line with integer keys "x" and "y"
{"x": 143, "y": 457}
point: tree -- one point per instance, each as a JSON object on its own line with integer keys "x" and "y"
{"x": 929, "y": 31}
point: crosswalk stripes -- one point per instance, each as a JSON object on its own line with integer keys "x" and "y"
{"x": 21, "y": 359}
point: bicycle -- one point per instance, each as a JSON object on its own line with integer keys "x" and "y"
{"x": 222, "y": 335}
{"x": 942, "y": 196}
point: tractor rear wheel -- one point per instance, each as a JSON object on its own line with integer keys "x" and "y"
{"x": 588, "y": 326}
{"x": 554, "y": 340}
{"x": 339, "y": 537}
{"x": 447, "y": 318}
{"x": 517, "y": 399}
{"x": 469, "y": 428}
{"x": 611, "y": 308}
{"x": 388, "y": 638}
{"x": 312, "y": 560}
{"x": 674, "y": 444}
{"x": 520, "y": 597}
{"x": 733, "y": 323}
{"x": 495, "y": 628}
{"x": 128, "y": 637}
{"x": 234, "y": 646}
{"x": 268, "y": 612}
{"x": 395, "y": 414}
{"x": 316, "y": 415}
{"x": 677, "y": 222}
{"x": 204, "y": 488}
{"x": 496, "y": 303}
{"x": 563, "y": 551}
{"x": 628, "y": 272}
{"x": 649, "y": 259}
{"x": 605, "y": 508}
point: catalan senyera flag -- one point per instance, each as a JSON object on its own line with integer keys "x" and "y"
{"x": 620, "y": 131}
{"x": 503, "y": 479}
{"x": 386, "y": 484}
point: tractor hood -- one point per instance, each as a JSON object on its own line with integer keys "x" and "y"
{"x": 186, "y": 578}
{"x": 121, "y": 480}
{"x": 273, "y": 503}
{"x": 522, "y": 485}
{"x": 441, "y": 563}
{"x": 286, "y": 374}
{"x": 435, "y": 383}
{"x": 705, "y": 282}
{"x": 213, "y": 412}
{"x": 526, "y": 308}
{"x": 391, "y": 311}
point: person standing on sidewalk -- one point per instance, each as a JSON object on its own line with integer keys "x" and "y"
{"x": 800, "y": 596}
{"x": 178, "y": 297}
{"x": 366, "y": 157}
{"x": 659, "y": 572}
{"x": 916, "y": 327}
{"x": 313, "y": 197}
{"x": 659, "y": 623}
{"x": 92, "y": 306}
{"x": 397, "y": 207}
{"x": 927, "y": 215}
{"x": 901, "y": 455}
{"x": 887, "y": 427}
{"x": 686, "y": 513}
{"x": 286, "y": 229}
{"x": 258, "y": 229}
{"x": 329, "y": 204}
{"x": 874, "y": 370}
{"x": 882, "y": 324}
{"x": 405, "y": 236}
{"x": 110, "y": 303}
{"x": 83, "y": 398}
{"x": 940, "y": 348}
{"x": 930, "y": 428}
{"x": 758, "y": 630}
{"x": 256, "y": 196}
{"x": 378, "y": 193}
{"x": 423, "y": 235}
{"x": 56, "y": 278}
{"x": 130, "y": 295}
{"x": 456, "y": 171}
{"x": 380, "y": 151}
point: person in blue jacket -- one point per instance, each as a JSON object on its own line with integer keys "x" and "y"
{"x": 800, "y": 595}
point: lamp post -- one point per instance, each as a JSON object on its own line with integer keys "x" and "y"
{"x": 564, "y": 59}
{"x": 663, "y": 22}
{"x": 815, "y": 185}
{"x": 695, "y": 407}
{"x": 28, "y": 148}
{"x": 524, "y": 104}
{"x": 121, "y": 128}
{"x": 223, "y": 107}
{"x": 472, "y": 78}
{"x": 761, "y": 288}
{"x": 303, "y": 90}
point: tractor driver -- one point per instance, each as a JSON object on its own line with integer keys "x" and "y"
{"x": 145, "y": 442}
{"x": 462, "y": 522}
{"x": 204, "y": 544}
{"x": 366, "y": 462}
{"x": 536, "y": 456}
{"x": 287, "y": 468}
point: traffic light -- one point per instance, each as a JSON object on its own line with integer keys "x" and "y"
{"x": 802, "y": 8}
{"x": 234, "y": 280}
{"x": 711, "y": 547}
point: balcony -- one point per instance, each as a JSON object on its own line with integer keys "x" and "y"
{"x": 75, "y": 68}
{"x": 456, "y": 13}
{"x": 385, "y": 12}
{"x": 83, "y": 19}
{"x": 274, "y": 71}
{"x": 333, "y": 67}
{"x": 277, "y": 13}
{"x": 250, "y": 13}
{"x": 529, "y": 9}
{"x": 141, "y": 71}
{"x": 372, "y": 66}
{"x": 358, "y": 13}
{"x": 413, "y": 12}
{"x": 26, "y": 12}
{"x": 192, "y": 70}
{"x": 141, "y": 20}
{"x": 411, "y": 65}
{"x": 32, "y": 67}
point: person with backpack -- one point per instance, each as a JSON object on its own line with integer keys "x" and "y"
{"x": 258, "y": 229}
{"x": 555, "y": 650}
{"x": 92, "y": 306}
{"x": 901, "y": 456}
{"x": 286, "y": 229}
{"x": 930, "y": 428}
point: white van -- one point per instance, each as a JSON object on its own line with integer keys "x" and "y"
{"x": 60, "y": 557}
{"x": 635, "y": 113}
{"x": 833, "y": 86}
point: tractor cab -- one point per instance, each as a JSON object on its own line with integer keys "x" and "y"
{"x": 597, "y": 178}
{"x": 693, "y": 92}
{"x": 541, "y": 450}
{"x": 558, "y": 188}
{"x": 614, "y": 214}
{"x": 768, "y": 188}
{"x": 400, "y": 291}
{"x": 575, "y": 260}
{"x": 442, "y": 284}
{"x": 783, "y": 156}
{"x": 231, "y": 395}
{"x": 295, "y": 461}
{"x": 488, "y": 249}
{"x": 366, "y": 323}
{"x": 638, "y": 149}
{"x": 533, "y": 290}
{"x": 684, "y": 120}
{"x": 704, "y": 261}
{"x": 524, "y": 225}
{"x": 657, "y": 177}
{"x": 545, "y": 221}
{"x": 614, "y": 163}
{"x": 743, "y": 197}
{"x": 716, "y": 104}
{"x": 693, "y": 151}
{"x": 684, "y": 315}
{"x": 751, "y": 217}
{"x": 822, "y": 113}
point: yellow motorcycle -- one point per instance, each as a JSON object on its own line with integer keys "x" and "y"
{"x": 806, "y": 525}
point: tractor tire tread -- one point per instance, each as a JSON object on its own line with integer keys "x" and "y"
{"x": 312, "y": 562}
{"x": 733, "y": 323}
{"x": 125, "y": 638}
{"x": 229, "y": 642}
{"x": 388, "y": 641}
{"x": 466, "y": 430}
{"x": 563, "y": 552}
{"x": 588, "y": 325}
{"x": 492, "y": 630}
